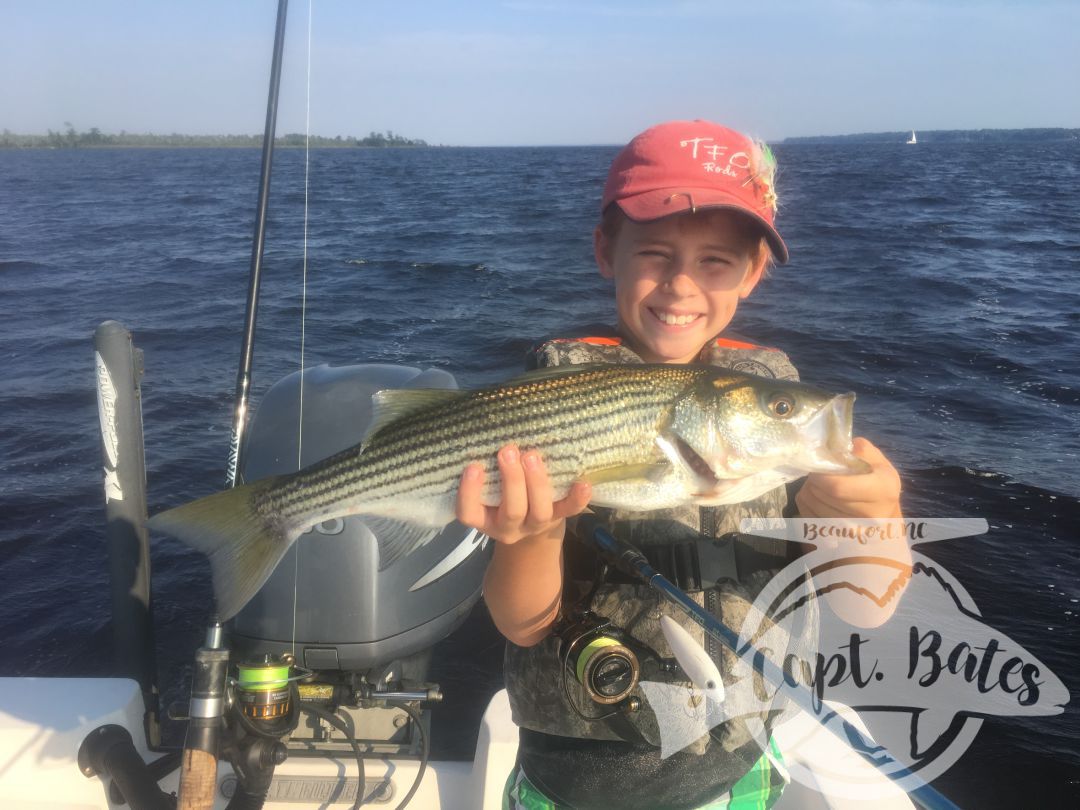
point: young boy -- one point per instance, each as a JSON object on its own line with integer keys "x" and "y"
{"x": 686, "y": 232}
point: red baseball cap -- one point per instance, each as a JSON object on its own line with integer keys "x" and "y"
{"x": 689, "y": 165}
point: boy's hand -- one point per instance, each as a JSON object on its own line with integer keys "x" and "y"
{"x": 875, "y": 494}
{"x": 527, "y": 507}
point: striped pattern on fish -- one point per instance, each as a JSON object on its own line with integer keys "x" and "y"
{"x": 594, "y": 419}
{"x": 645, "y": 436}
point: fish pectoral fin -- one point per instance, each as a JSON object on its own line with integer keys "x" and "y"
{"x": 397, "y": 538}
{"x": 394, "y": 403}
{"x": 651, "y": 472}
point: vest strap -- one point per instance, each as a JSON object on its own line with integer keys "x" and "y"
{"x": 687, "y": 565}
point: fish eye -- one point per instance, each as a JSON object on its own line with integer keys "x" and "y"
{"x": 781, "y": 405}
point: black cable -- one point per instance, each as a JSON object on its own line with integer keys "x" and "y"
{"x": 424, "y": 751}
{"x": 243, "y": 800}
{"x": 339, "y": 724}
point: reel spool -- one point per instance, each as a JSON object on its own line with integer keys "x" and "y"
{"x": 605, "y": 667}
{"x": 263, "y": 689}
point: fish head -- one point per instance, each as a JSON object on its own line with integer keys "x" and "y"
{"x": 732, "y": 426}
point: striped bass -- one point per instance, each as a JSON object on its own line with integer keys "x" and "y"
{"x": 644, "y": 436}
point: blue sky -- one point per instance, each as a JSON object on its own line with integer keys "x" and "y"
{"x": 539, "y": 72}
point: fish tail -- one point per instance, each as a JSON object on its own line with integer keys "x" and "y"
{"x": 243, "y": 544}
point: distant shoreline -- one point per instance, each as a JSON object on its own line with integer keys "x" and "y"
{"x": 95, "y": 139}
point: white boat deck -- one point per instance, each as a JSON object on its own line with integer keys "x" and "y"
{"x": 43, "y": 722}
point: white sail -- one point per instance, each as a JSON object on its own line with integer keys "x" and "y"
{"x": 912, "y": 139}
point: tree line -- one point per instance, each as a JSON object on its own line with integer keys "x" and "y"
{"x": 69, "y": 138}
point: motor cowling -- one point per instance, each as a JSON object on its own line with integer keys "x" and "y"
{"x": 347, "y": 614}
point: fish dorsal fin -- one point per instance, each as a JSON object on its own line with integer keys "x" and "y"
{"x": 394, "y": 403}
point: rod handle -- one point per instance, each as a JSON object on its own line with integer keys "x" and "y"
{"x": 198, "y": 780}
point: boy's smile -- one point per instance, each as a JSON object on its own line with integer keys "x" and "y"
{"x": 678, "y": 280}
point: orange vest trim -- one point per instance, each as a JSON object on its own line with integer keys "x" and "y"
{"x": 726, "y": 343}
{"x": 595, "y": 341}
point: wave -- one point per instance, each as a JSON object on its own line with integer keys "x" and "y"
{"x": 921, "y": 302}
{"x": 17, "y": 265}
{"x": 435, "y": 266}
{"x": 953, "y": 474}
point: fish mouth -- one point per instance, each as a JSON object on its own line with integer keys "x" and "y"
{"x": 684, "y": 457}
{"x": 710, "y": 489}
{"x": 829, "y": 435}
{"x": 707, "y": 480}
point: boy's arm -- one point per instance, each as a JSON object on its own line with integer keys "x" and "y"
{"x": 523, "y": 584}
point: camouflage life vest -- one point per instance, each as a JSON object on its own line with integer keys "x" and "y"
{"x": 697, "y": 548}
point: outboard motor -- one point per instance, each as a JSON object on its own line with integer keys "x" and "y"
{"x": 364, "y": 632}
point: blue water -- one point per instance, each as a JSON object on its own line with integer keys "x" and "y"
{"x": 941, "y": 283}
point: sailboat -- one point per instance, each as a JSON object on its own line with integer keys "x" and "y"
{"x": 912, "y": 139}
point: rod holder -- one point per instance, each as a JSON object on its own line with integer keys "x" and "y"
{"x": 119, "y": 368}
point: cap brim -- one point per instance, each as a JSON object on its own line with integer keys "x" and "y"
{"x": 662, "y": 203}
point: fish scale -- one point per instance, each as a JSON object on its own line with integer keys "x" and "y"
{"x": 645, "y": 436}
{"x": 399, "y": 454}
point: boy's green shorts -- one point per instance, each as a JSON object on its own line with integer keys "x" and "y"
{"x": 757, "y": 789}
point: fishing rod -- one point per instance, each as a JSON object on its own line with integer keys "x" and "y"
{"x": 199, "y": 760}
{"x": 198, "y": 772}
{"x": 629, "y": 560}
{"x": 247, "y": 352}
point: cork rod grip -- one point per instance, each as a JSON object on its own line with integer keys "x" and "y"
{"x": 198, "y": 780}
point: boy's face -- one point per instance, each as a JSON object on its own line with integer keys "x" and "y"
{"x": 678, "y": 280}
